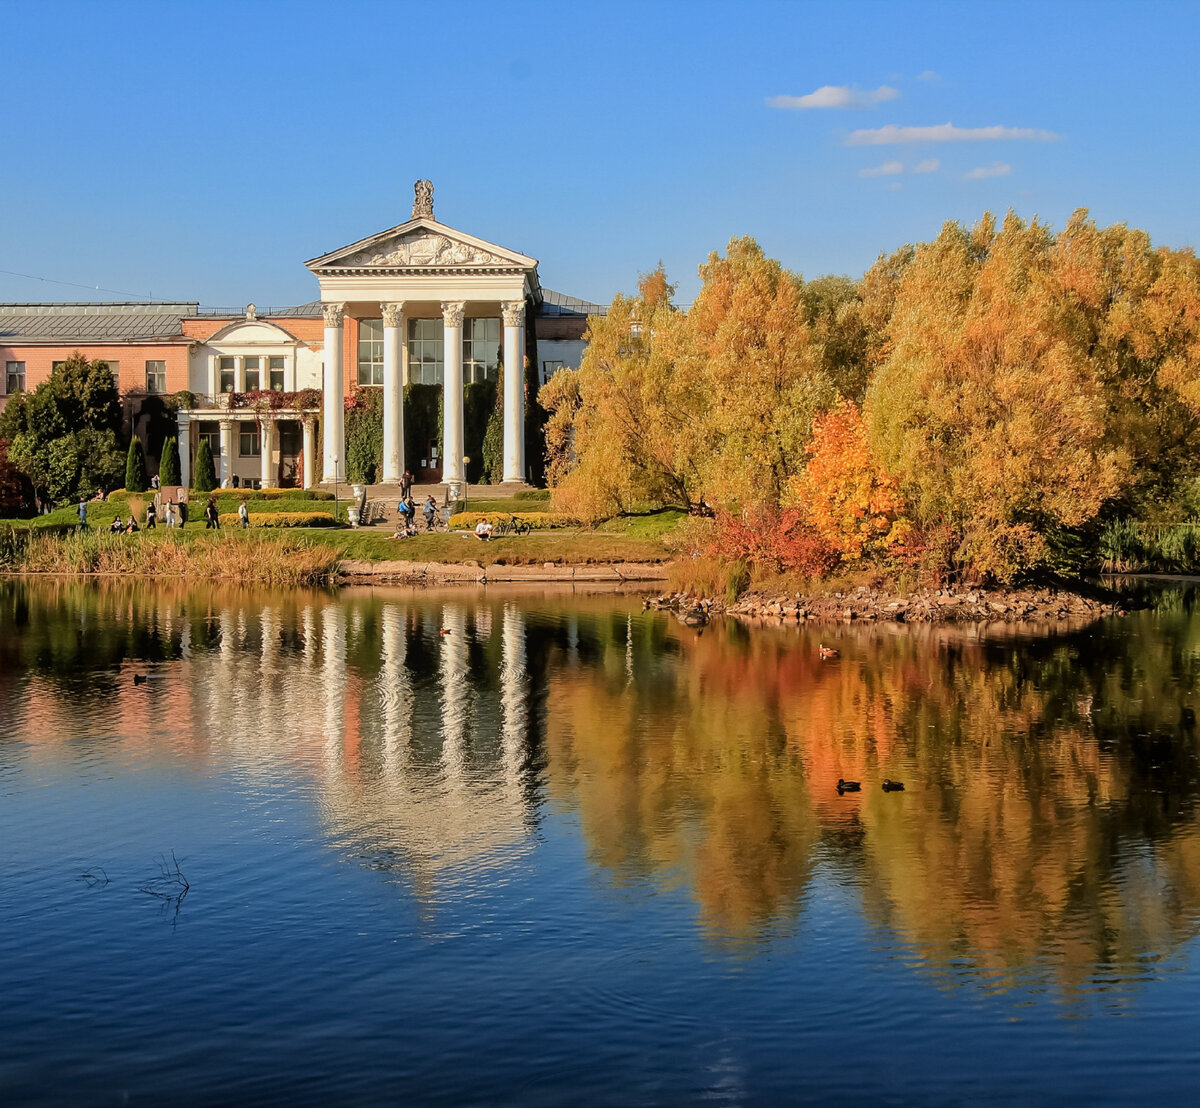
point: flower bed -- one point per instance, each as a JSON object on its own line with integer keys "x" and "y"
{"x": 539, "y": 521}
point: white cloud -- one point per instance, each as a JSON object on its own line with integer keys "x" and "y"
{"x": 996, "y": 169}
{"x": 835, "y": 96}
{"x": 888, "y": 169}
{"x": 929, "y": 165}
{"x": 928, "y": 75}
{"x": 943, "y": 132}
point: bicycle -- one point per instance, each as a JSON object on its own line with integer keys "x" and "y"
{"x": 514, "y": 525}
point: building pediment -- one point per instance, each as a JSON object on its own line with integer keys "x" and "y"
{"x": 421, "y": 245}
{"x": 250, "y": 332}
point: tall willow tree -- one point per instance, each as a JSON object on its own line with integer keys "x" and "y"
{"x": 988, "y": 408}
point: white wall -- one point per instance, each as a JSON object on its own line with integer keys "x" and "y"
{"x": 567, "y": 351}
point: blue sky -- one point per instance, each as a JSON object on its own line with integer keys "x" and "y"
{"x": 206, "y": 150}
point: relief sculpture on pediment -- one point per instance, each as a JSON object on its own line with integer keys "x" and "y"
{"x": 427, "y": 248}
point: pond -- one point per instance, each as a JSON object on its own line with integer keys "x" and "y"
{"x": 546, "y": 847}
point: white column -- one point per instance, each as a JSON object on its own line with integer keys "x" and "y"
{"x": 393, "y": 394}
{"x": 514, "y": 391}
{"x": 452, "y": 392}
{"x": 214, "y": 375}
{"x": 239, "y": 373}
{"x": 185, "y": 448}
{"x": 267, "y": 450}
{"x": 334, "y": 412}
{"x": 226, "y": 474}
{"x": 310, "y": 453}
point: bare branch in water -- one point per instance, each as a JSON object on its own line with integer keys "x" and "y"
{"x": 94, "y": 880}
{"x": 170, "y": 883}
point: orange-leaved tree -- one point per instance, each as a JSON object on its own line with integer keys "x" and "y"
{"x": 849, "y": 498}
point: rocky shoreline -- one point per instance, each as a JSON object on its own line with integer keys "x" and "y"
{"x": 949, "y": 605}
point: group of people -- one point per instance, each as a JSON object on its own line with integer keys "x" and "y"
{"x": 407, "y": 510}
{"x": 175, "y": 516}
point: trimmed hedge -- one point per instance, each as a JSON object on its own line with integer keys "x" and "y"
{"x": 539, "y": 521}
{"x": 280, "y": 519}
{"x": 272, "y": 494}
{"x": 532, "y": 494}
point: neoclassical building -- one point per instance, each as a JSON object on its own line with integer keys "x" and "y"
{"x": 418, "y": 304}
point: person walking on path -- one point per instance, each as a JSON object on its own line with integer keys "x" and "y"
{"x": 151, "y": 516}
{"x": 82, "y": 512}
{"x": 405, "y": 485}
{"x": 429, "y": 512}
{"x": 212, "y": 518}
{"x": 243, "y": 515}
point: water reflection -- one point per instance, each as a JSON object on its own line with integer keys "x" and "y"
{"x": 1047, "y": 832}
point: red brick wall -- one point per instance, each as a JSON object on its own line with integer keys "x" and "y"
{"x": 132, "y": 358}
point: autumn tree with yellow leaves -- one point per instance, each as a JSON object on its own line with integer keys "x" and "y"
{"x": 1002, "y": 387}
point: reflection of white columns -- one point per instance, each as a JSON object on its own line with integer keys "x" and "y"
{"x": 452, "y": 392}
{"x": 514, "y": 712}
{"x": 454, "y": 679}
{"x": 393, "y": 394}
{"x": 334, "y": 410}
{"x": 310, "y": 454}
{"x": 226, "y": 452}
{"x": 185, "y": 448}
{"x": 308, "y": 620}
{"x": 333, "y": 677}
{"x": 396, "y": 693}
{"x": 268, "y": 642}
{"x": 267, "y": 450}
{"x": 514, "y": 391}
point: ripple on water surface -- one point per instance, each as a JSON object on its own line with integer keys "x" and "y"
{"x": 576, "y": 851}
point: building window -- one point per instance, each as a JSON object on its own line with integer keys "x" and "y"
{"x": 227, "y": 367}
{"x": 370, "y": 351}
{"x": 14, "y": 377}
{"x": 248, "y": 441}
{"x": 549, "y": 369}
{"x": 156, "y": 377}
{"x": 481, "y": 349}
{"x": 275, "y": 366}
{"x": 211, "y": 434}
{"x": 425, "y": 352}
{"x": 253, "y": 374}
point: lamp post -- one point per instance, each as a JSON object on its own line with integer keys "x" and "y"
{"x": 335, "y": 490}
{"x": 466, "y": 462}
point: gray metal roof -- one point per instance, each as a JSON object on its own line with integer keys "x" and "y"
{"x": 560, "y": 304}
{"x": 311, "y": 310}
{"x": 66, "y": 323}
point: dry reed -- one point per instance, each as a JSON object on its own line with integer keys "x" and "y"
{"x": 250, "y": 559}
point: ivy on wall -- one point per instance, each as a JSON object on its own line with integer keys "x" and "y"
{"x": 364, "y": 436}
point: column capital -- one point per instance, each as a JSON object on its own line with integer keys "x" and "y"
{"x": 514, "y": 313}
{"x": 452, "y": 312}
{"x": 392, "y": 313}
{"x": 334, "y": 314}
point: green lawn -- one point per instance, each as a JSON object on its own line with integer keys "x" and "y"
{"x": 625, "y": 539}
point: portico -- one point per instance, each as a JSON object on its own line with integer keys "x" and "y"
{"x": 437, "y": 299}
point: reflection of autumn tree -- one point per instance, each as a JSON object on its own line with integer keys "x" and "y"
{"x": 1034, "y": 831}
{"x": 668, "y": 781}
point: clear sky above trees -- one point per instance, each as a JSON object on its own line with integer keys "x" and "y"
{"x": 206, "y": 150}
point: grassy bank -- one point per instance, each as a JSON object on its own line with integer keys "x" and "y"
{"x": 262, "y": 558}
{"x": 298, "y": 556}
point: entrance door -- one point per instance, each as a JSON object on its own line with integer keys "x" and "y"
{"x": 429, "y": 465}
{"x": 291, "y": 445}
